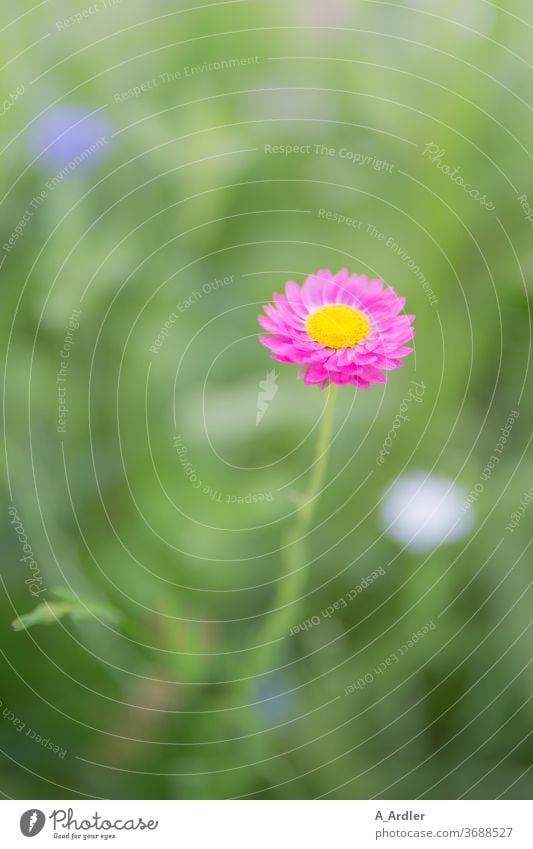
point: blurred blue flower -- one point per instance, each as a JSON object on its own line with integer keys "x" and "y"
{"x": 69, "y": 134}
{"x": 273, "y": 698}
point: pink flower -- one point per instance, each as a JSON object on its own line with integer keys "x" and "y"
{"x": 333, "y": 13}
{"x": 343, "y": 328}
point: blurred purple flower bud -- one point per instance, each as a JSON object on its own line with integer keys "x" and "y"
{"x": 69, "y": 135}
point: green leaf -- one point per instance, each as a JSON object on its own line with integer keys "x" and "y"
{"x": 79, "y": 609}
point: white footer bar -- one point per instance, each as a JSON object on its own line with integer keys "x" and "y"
{"x": 267, "y": 824}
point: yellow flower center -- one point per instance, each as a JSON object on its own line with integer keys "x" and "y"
{"x": 337, "y": 326}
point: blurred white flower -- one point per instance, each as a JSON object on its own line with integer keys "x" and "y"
{"x": 474, "y": 18}
{"x": 300, "y": 108}
{"x": 423, "y": 510}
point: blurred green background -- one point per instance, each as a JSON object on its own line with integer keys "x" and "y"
{"x": 152, "y": 587}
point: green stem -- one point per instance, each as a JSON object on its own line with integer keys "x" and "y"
{"x": 291, "y": 583}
